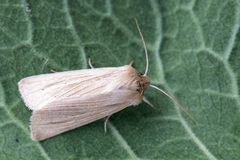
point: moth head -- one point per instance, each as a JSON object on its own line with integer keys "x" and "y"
{"x": 145, "y": 82}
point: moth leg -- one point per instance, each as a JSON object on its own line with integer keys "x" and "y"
{"x": 90, "y": 64}
{"x": 53, "y": 71}
{"x": 131, "y": 63}
{"x": 105, "y": 124}
{"x": 145, "y": 100}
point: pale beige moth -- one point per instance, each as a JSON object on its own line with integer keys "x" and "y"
{"x": 62, "y": 101}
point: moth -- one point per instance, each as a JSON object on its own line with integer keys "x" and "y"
{"x": 62, "y": 101}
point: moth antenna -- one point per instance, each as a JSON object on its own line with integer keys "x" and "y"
{"x": 174, "y": 101}
{"x": 145, "y": 48}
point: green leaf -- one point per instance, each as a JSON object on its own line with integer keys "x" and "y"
{"x": 194, "y": 56}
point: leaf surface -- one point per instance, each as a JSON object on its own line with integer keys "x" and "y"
{"x": 193, "y": 54}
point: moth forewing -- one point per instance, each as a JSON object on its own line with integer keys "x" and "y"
{"x": 68, "y": 114}
{"x": 38, "y": 91}
{"x": 65, "y": 100}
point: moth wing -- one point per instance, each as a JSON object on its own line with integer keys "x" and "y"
{"x": 38, "y": 91}
{"x": 70, "y": 113}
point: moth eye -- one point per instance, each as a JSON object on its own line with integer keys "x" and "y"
{"x": 138, "y": 90}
